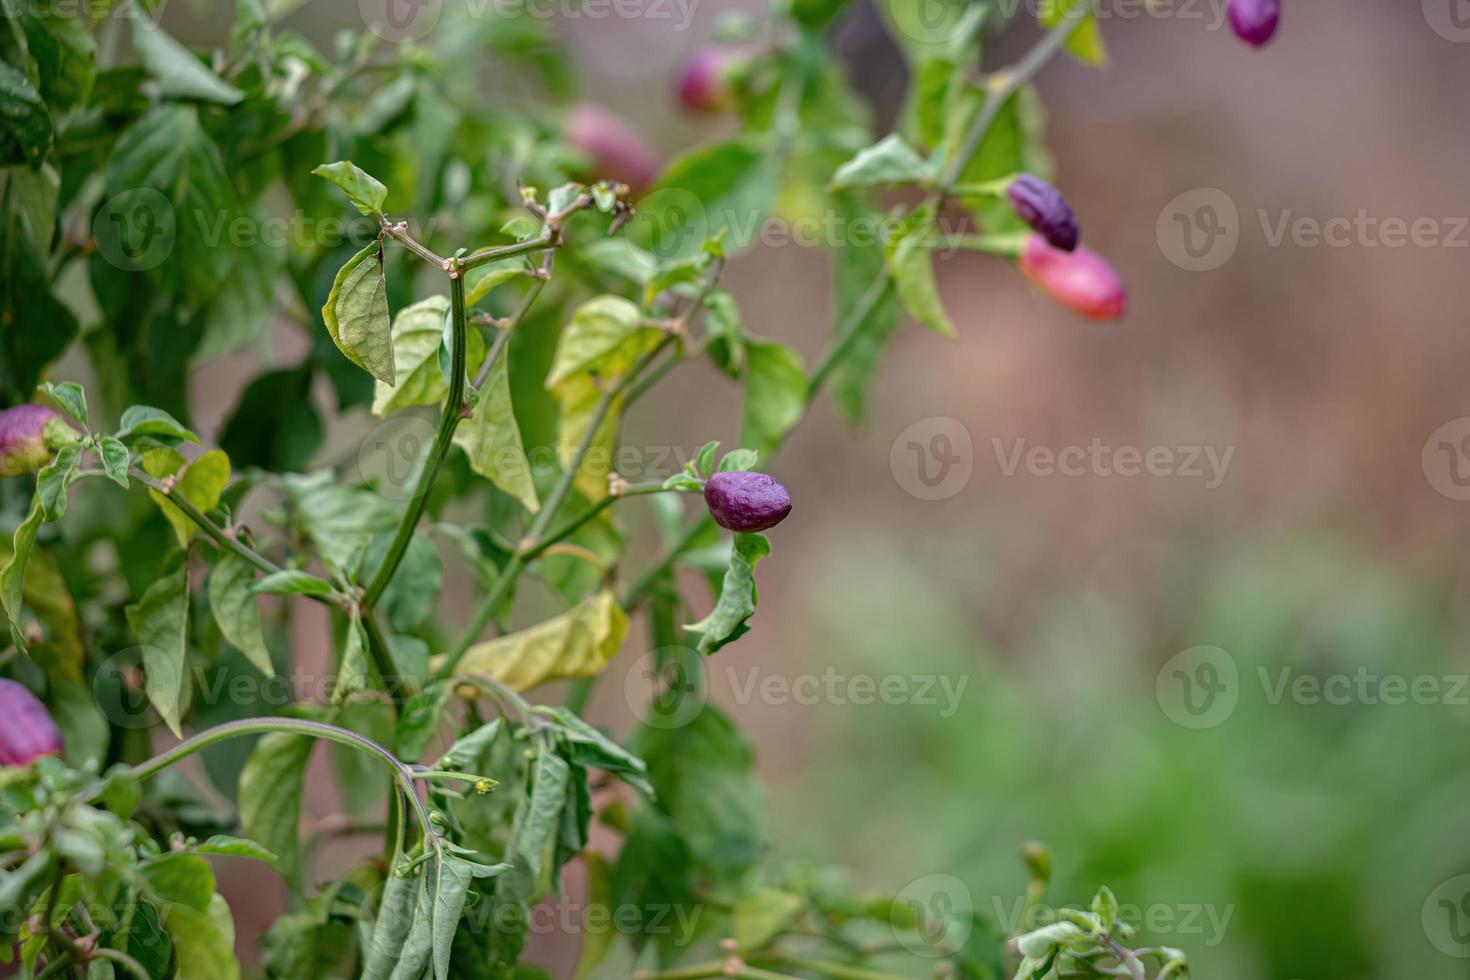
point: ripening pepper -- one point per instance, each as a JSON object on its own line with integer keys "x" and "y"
{"x": 1254, "y": 21}
{"x": 705, "y": 83}
{"x": 23, "y": 446}
{"x": 1081, "y": 280}
{"x": 1043, "y": 207}
{"x": 744, "y": 501}
{"x": 617, "y": 152}
{"x": 27, "y": 730}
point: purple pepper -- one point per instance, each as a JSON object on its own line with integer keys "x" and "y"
{"x": 27, "y": 730}
{"x": 1254, "y": 20}
{"x": 23, "y": 439}
{"x": 1043, "y": 207}
{"x": 744, "y": 501}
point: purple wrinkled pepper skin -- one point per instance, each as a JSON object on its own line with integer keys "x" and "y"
{"x": 749, "y": 502}
{"x": 1043, "y": 207}
{"x": 23, "y": 439}
{"x": 1254, "y": 21}
{"x": 27, "y": 731}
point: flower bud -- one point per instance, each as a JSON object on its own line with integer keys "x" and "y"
{"x": 705, "y": 82}
{"x": 617, "y": 152}
{"x": 1042, "y": 206}
{"x": 1254, "y": 20}
{"x": 27, "y": 731}
{"x": 744, "y": 501}
{"x": 1082, "y": 280}
{"x": 23, "y": 438}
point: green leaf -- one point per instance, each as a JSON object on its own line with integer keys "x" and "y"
{"x": 738, "y": 596}
{"x": 533, "y": 833}
{"x": 178, "y": 877}
{"x": 13, "y": 575}
{"x": 366, "y": 191}
{"x": 737, "y": 460}
{"x": 292, "y": 582}
{"x": 54, "y": 480}
{"x": 394, "y": 920}
{"x": 232, "y": 600}
{"x": 160, "y": 621}
{"x": 176, "y": 70}
{"x": 775, "y": 395}
{"x": 1086, "y": 41}
{"x": 889, "y": 161}
{"x": 271, "y": 787}
{"x": 763, "y": 915}
{"x": 141, "y": 421}
{"x": 26, "y": 135}
{"x": 340, "y": 521}
{"x": 727, "y": 188}
{"x": 483, "y": 281}
{"x": 227, "y": 846}
{"x": 491, "y": 438}
{"x": 352, "y": 674}
{"x": 450, "y": 878}
{"x": 116, "y": 458}
{"x": 204, "y": 942}
{"x": 578, "y": 643}
{"x": 200, "y": 483}
{"x": 578, "y": 400}
{"x": 465, "y": 753}
{"x": 70, "y": 398}
{"x": 36, "y": 193}
{"x": 419, "y": 723}
{"x": 356, "y": 314}
{"x": 411, "y": 596}
{"x": 589, "y": 747}
{"x": 910, "y": 259}
{"x": 857, "y": 268}
{"x": 169, "y": 196}
{"x": 599, "y": 328}
{"x": 417, "y": 335}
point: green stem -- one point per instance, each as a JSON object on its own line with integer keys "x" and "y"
{"x": 399, "y": 232}
{"x": 402, "y": 775}
{"x": 586, "y": 517}
{"x": 837, "y": 971}
{"x": 55, "y": 966}
{"x": 397, "y": 686}
{"x": 640, "y": 589}
{"x": 443, "y": 440}
{"x": 121, "y": 959}
{"x": 485, "y": 256}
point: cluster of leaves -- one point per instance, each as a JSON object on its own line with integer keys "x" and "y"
{"x": 137, "y": 205}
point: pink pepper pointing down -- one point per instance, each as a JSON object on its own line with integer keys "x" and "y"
{"x": 617, "y": 152}
{"x": 1255, "y": 21}
{"x": 1082, "y": 280}
{"x": 705, "y": 81}
{"x": 27, "y": 730}
{"x": 744, "y": 501}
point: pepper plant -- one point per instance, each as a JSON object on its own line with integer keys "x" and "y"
{"x": 411, "y": 249}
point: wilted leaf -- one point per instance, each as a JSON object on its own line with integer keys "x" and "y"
{"x": 232, "y": 601}
{"x": 366, "y": 191}
{"x": 775, "y": 395}
{"x": 270, "y": 796}
{"x": 491, "y": 438}
{"x": 738, "y": 596}
{"x": 200, "y": 482}
{"x": 356, "y": 314}
{"x": 160, "y": 621}
{"x": 578, "y": 643}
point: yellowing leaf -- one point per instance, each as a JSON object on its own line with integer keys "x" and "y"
{"x": 599, "y": 329}
{"x": 1086, "y": 42}
{"x": 491, "y": 439}
{"x": 200, "y": 482}
{"x": 579, "y": 398}
{"x": 578, "y": 643}
{"x": 356, "y": 314}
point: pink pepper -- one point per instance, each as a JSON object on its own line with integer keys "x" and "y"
{"x": 705, "y": 81}
{"x": 27, "y": 730}
{"x": 23, "y": 439}
{"x": 1081, "y": 280}
{"x": 617, "y": 152}
{"x": 1255, "y": 21}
